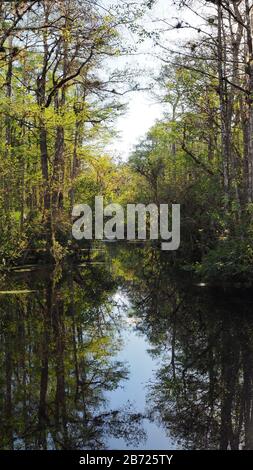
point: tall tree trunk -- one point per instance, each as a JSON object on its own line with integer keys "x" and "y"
{"x": 8, "y": 128}
{"x": 225, "y": 137}
{"x": 250, "y": 99}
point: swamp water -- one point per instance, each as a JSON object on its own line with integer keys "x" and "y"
{"x": 122, "y": 354}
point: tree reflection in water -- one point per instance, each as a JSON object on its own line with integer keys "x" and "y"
{"x": 203, "y": 392}
{"x": 57, "y": 348}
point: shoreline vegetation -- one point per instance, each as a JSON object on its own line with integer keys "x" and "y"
{"x": 61, "y": 92}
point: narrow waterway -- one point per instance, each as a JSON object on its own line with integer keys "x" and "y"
{"x": 123, "y": 354}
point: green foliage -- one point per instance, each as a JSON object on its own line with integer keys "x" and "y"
{"x": 230, "y": 260}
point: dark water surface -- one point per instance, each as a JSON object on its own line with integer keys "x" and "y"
{"x": 123, "y": 354}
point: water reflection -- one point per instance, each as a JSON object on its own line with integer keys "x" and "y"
{"x": 57, "y": 350}
{"x": 76, "y": 347}
{"x": 203, "y": 391}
